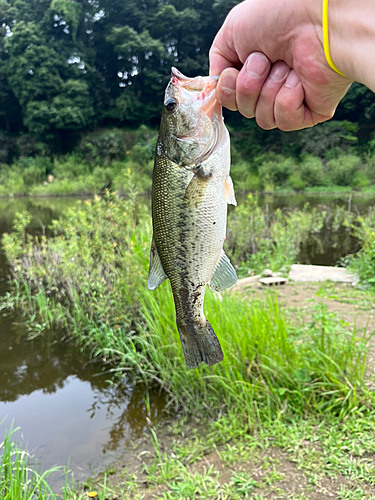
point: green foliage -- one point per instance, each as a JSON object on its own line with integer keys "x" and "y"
{"x": 102, "y": 146}
{"x": 328, "y": 138}
{"x": 275, "y": 173}
{"x": 243, "y": 178}
{"x": 27, "y": 146}
{"x": 70, "y": 11}
{"x": 73, "y": 65}
{"x": 91, "y": 278}
{"x": 7, "y": 148}
{"x": 312, "y": 172}
{"x": 363, "y": 263}
{"x": 358, "y": 105}
{"x": 98, "y": 266}
{"x": 270, "y": 240}
{"x": 342, "y": 170}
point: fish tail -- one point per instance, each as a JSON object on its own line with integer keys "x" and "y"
{"x": 200, "y": 344}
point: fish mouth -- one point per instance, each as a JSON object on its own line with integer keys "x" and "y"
{"x": 200, "y": 94}
{"x": 201, "y": 88}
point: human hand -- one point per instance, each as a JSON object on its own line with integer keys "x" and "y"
{"x": 271, "y": 60}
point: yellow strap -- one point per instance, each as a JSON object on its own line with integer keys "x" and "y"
{"x": 326, "y": 39}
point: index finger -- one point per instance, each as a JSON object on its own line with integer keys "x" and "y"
{"x": 222, "y": 53}
{"x": 219, "y": 62}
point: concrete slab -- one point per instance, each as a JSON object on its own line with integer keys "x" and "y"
{"x": 300, "y": 272}
{"x": 276, "y": 280}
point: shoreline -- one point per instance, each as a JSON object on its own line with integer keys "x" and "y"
{"x": 331, "y": 191}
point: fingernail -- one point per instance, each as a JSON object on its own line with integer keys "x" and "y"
{"x": 228, "y": 82}
{"x": 256, "y": 64}
{"x": 292, "y": 81}
{"x": 279, "y": 72}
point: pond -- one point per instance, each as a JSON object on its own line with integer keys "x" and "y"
{"x": 66, "y": 408}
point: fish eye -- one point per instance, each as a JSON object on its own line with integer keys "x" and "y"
{"x": 170, "y": 104}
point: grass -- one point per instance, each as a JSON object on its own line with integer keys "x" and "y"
{"x": 306, "y": 458}
{"x": 91, "y": 279}
{"x": 299, "y": 388}
{"x": 269, "y": 366}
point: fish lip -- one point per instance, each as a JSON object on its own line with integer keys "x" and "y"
{"x": 177, "y": 74}
{"x": 208, "y": 83}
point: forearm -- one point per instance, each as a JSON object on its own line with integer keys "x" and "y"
{"x": 352, "y": 39}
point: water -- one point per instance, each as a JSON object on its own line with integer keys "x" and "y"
{"x": 65, "y": 407}
{"x": 327, "y": 248}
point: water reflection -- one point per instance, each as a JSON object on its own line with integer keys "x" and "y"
{"x": 66, "y": 408}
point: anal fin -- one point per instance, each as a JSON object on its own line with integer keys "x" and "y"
{"x": 224, "y": 275}
{"x": 156, "y": 274}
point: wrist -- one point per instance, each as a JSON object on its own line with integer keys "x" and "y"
{"x": 352, "y": 38}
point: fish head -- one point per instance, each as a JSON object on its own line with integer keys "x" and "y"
{"x": 191, "y": 120}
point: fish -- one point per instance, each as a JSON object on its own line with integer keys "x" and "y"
{"x": 191, "y": 188}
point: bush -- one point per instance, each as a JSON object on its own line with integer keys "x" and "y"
{"x": 102, "y": 146}
{"x": 369, "y": 167}
{"x": 341, "y": 171}
{"x": 7, "y": 148}
{"x": 94, "y": 260}
{"x": 70, "y": 167}
{"x": 312, "y": 172}
{"x": 296, "y": 182}
{"x": 28, "y": 145}
{"x": 34, "y": 170}
{"x": 276, "y": 173}
{"x": 243, "y": 178}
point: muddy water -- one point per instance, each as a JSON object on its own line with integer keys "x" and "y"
{"x": 66, "y": 409}
{"x": 64, "y": 405}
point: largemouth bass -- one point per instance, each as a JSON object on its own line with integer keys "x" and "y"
{"x": 190, "y": 192}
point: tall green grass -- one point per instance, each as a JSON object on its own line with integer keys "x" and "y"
{"x": 91, "y": 279}
{"x": 268, "y": 365}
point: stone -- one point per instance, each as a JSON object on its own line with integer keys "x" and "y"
{"x": 267, "y": 273}
{"x": 300, "y": 272}
{"x": 275, "y": 280}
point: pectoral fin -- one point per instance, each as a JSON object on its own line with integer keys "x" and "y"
{"x": 229, "y": 191}
{"x": 156, "y": 274}
{"x": 224, "y": 275}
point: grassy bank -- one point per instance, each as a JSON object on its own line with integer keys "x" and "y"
{"x": 277, "y": 373}
{"x": 101, "y": 160}
{"x": 91, "y": 279}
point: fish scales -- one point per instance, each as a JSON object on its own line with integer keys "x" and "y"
{"x": 189, "y": 207}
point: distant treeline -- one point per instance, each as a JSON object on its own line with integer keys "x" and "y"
{"x": 71, "y": 66}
